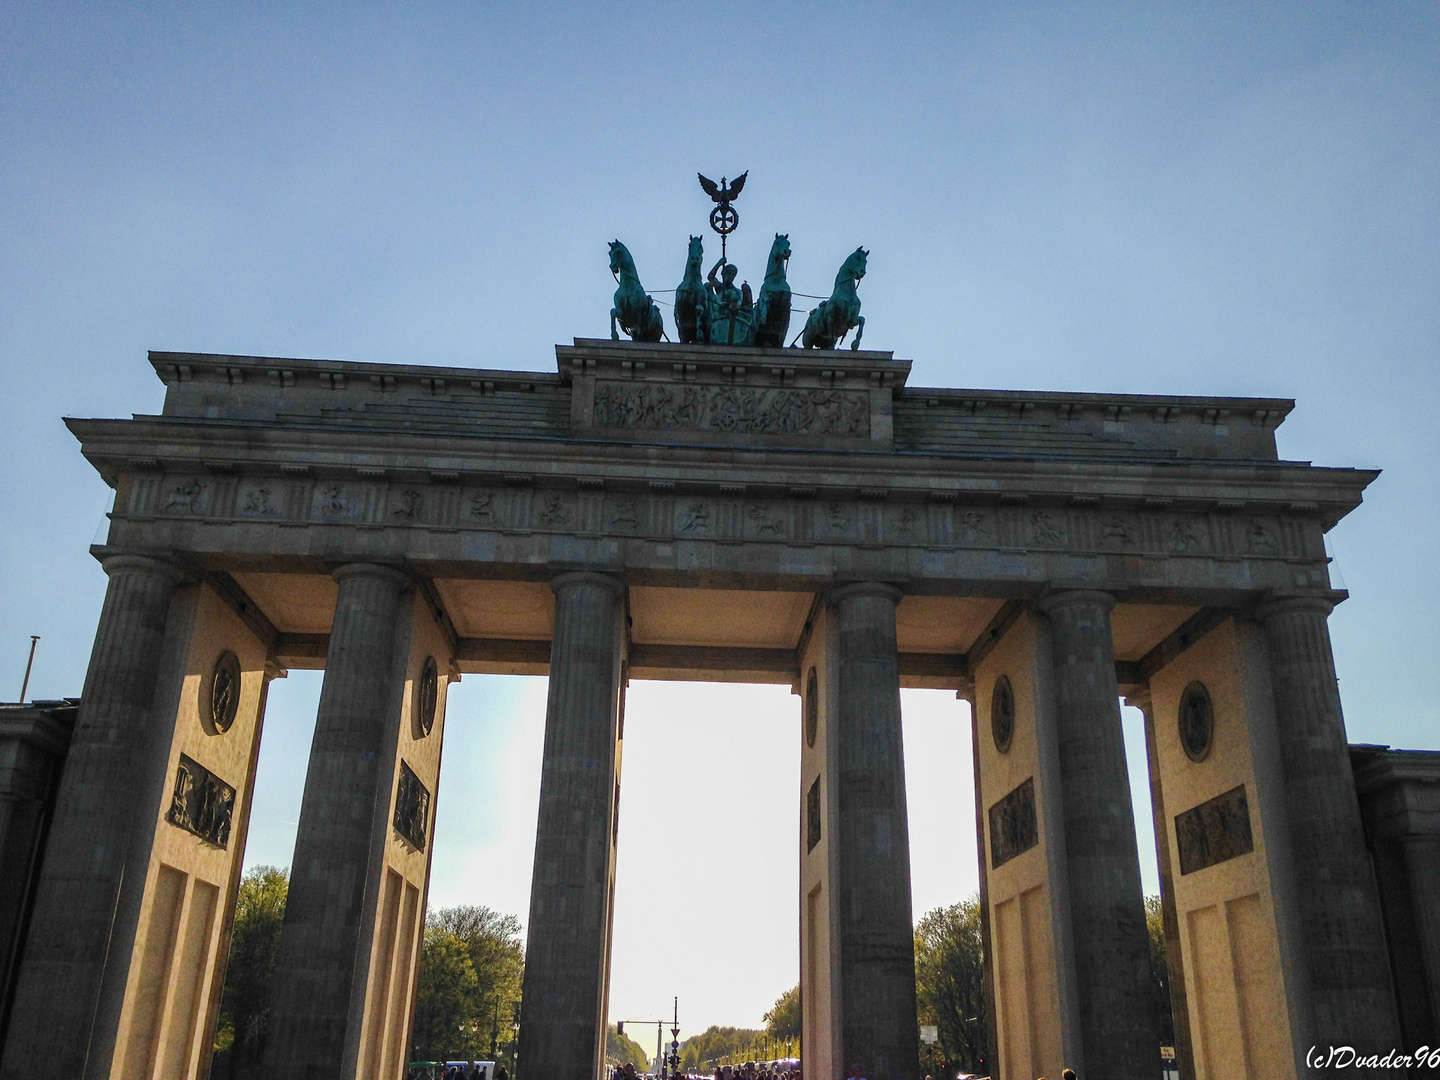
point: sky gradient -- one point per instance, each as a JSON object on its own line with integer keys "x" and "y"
{"x": 1145, "y": 198}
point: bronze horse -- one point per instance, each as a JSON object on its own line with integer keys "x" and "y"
{"x": 772, "y": 310}
{"x": 835, "y": 317}
{"x": 692, "y": 299}
{"x": 636, "y": 313}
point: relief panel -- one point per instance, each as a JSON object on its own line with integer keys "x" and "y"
{"x": 201, "y": 803}
{"x": 736, "y": 409}
{"x": 1215, "y": 831}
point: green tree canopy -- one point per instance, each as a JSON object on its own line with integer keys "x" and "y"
{"x": 445, "y": 999}
{"x": 950, "y": 984}
{"x": 620, "y": 1050}
{"x": 254, "y": 947}
{"x": 1159, "y": 969}
{"x": 783, "y": 1020}
{"x": 472, "y": 964}
{"x": 719, "y": 1045}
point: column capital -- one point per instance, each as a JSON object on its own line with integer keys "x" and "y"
{"x": 376, "y": 570}
{"x": 144, "y": 564}
{"x": 1069, "y": 597}
{"x": 852, "y": 589}
{"x": 572, "y": 578}
{"x": 1296, "y": 603}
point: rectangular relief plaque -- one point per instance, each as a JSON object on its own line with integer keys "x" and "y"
{"x": 812, "y": 817}
{"x": 1012, "y": 825}
{"x": 735, "y": 410}
{"x": 1214, "y": 831}
{"x": 412, "y": 807}
{"x": 201, "y": 803}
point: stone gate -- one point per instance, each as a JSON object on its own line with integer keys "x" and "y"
{"x": 712, "y": 513}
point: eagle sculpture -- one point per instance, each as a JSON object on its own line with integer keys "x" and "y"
{"x": 723, "y": 193}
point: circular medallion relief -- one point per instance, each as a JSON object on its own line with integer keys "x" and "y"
{"x": 426, "y": 691}
{"x": 812, "y": 708}
{"x": 224, "y": 694}
{"x": 1002, "y": 714}
{"x": 1197, "y": 721}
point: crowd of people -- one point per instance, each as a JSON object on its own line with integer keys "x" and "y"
{"x": 477, "y": 1071}
{"x": 753, "y": 1070}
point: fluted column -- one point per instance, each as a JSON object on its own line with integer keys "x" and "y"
{"x": 877, "y": 942}
{"x": 1422, "y": 869}
{"x": 1343, "y": 935}
{"x": 109, "y": 772}
{"x": 313, "y": 998}
{"x": 1119, "y": 1030}
{"x": 562, "y": 1029}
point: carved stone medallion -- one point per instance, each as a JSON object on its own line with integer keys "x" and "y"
{"x": 1197, "y": 722}
{"x": 426, "y": 695}
{"x": 812, "y": 708}
{"x": 223, "y": 694}
{"x": 1002, "y": 714}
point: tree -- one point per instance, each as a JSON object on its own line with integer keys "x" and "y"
{"x": 620, "y": 1050}
{"x": 717, "y": 1045}
{"x": 1160, "y": 968}
{"x": 497, "y": 953}
{"x": 950, "y": 983}
{"x": 472, "y": 966}
{"x": 254, "y": 947}
{"x": 783, "y": 1021}
{"x": 445, "y": 998}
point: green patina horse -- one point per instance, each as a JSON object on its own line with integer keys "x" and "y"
{"x": 772, "y": 310}
{"x": 692, "y": 299}
{"x": 636, "y": 313}
{"x": 834, "y": 318}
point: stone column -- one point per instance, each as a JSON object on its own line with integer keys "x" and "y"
{"x": 562, "y": 1028}
{"x": 1340, "y": 908}
{"x": 75, "y": 932}
{"x": 1422, "y": 869}
{"x": 1174, "y": 957}
{"x": 877, "y": 935}
{"x": 312, "y": 1002}
{"x": 33, "y": 741}
{"x": 1119, "y": 1032}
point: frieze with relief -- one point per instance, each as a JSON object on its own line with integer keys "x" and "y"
{"x": 738, "y": 409}
{"x": 699, "y": 516}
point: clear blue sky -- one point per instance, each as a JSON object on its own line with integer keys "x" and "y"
{"x": 1211, "y": 199}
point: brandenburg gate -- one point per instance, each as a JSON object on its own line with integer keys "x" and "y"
{"x": 713, "y": 512}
